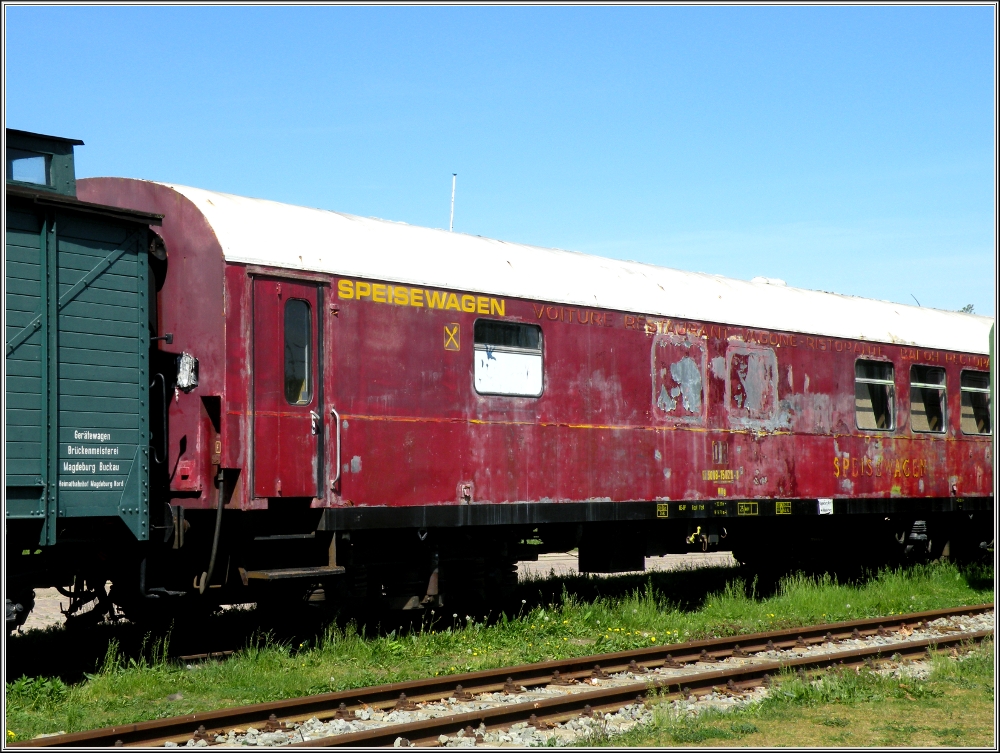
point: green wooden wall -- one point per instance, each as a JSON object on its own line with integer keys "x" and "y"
{"x": 77, "y": 345}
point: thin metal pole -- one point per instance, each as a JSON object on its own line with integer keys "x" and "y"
{"x": 451, "y": 222}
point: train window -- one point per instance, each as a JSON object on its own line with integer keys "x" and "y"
{"x": 508, "y": 358}
{"x": 298, "y": 338}
{"x": 753, "y": 383}
{"x": 927, "y": 399}
{"x": 678, "y": 377}
{"x": 28, "y": 167}
{"x": 874, "y": 395}
{"x": 976, "y": 402}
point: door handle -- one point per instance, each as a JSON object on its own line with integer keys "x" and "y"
{"x": 336, "y": 418}
{"x": 315, "y": 421}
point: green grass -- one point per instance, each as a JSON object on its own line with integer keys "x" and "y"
{"x": 129, "y": 689}
{"x": 953, "y": 706}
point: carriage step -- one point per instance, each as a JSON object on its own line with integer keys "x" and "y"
{"x": 291, "y": 573}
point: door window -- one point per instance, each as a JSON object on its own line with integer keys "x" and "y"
{"x": 298, "y": 366}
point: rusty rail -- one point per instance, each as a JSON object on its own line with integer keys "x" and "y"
{"x": 565, "y": 707}
{"x": 325, "y": 706}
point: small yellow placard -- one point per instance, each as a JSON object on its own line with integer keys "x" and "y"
{"x": 452, "y": 336}
{"x": 746, "y": 508}
{"x": 783, "y": 508}
{"x": 662, "y": 511}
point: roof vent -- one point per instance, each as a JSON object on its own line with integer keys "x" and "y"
{"x": 769, "y": 281}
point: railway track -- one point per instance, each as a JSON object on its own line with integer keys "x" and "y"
{"x": 423, "y": 712}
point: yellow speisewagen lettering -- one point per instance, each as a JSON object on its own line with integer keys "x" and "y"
{"x": 400, "y": 295}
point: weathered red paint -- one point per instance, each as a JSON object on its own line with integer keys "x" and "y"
{"x": 286, "y": 451}
{"x": 415, "y": 432}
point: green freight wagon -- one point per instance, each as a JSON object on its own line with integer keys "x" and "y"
{"x": 77, "y": 336}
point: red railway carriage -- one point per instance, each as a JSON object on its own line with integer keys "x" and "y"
{"x": 378, "y": 405}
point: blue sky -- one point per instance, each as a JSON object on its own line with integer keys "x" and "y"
{"x": 847, "y": 148}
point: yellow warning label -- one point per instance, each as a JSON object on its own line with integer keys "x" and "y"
{"x": 746, "y": 508}
{"x": 662, "y": 510}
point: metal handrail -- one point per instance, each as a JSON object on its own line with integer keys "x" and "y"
{"x": 336, "y": 417}
{"x": 156, "y": 457}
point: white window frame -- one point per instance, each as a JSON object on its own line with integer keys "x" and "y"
{"x": 483, "y": 349}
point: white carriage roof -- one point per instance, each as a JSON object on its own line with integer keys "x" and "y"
{"x": 268, "y": 233}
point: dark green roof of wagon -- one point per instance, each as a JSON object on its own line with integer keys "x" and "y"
{"x": 15, "y": 131}
{"x": 50, "y": 199}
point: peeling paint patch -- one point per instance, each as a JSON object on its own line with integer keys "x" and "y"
{"x": 687, "y": 374}
{"x": 719, "y": 367}
{"x": 664, "y": 402}
{"x": 807, "y": 412}
{"x": 752, "y": 386}
{"x": 666, "y": 473}
{"x": 356, "y": 464}
{"x": 678, "y": 370}
{"x": 658, "y": 455}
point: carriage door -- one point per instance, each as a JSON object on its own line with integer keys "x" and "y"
{"x": 287, "y": 427}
